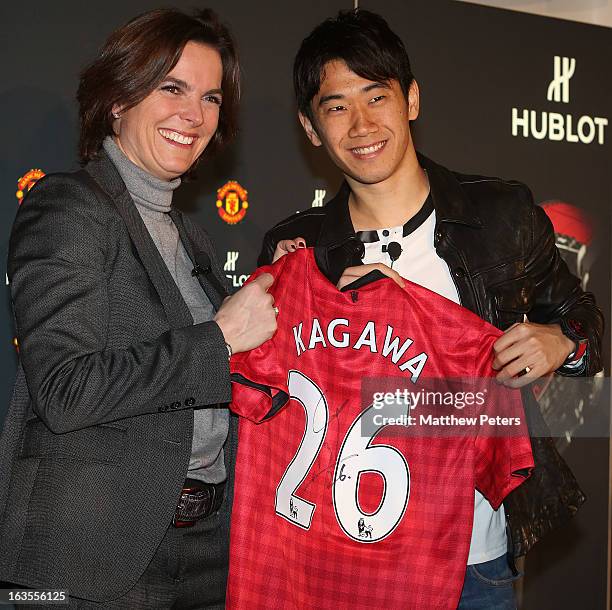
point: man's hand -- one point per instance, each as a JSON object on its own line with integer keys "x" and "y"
{"x": 354, "y": 273}
{"x": 538, "y": 349}
{"x": 350, "y": 273}
{"x": 288, "y": 245}
{"x": 247, "y": 318}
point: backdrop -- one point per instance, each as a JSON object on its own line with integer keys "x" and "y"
{"x": 502, "y": 93}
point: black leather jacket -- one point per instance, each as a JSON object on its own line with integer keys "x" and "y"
{"x": 500, "y": 249}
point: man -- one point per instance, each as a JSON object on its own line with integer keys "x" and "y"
{"x": 478, "y": 241}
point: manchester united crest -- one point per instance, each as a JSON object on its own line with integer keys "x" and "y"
{"x": 26, "y": 182}
{"x": 232, "y": 202}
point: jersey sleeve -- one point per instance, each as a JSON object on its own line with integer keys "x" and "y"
{"x": 503, "y": 457}
{"x": 259, "y": 381}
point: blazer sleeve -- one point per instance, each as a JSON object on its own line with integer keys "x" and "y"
{"x": 58, "y": 260}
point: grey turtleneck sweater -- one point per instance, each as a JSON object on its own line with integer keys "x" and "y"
{"x": 153, "y": 199}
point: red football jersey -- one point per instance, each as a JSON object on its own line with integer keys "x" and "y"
{"x": 335, "y": 505}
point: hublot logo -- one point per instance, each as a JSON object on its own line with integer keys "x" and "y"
{"x": 554, "y": 126}
{"x": 230, "y": 265}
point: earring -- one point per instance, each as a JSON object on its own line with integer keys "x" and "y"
{"x": 115, "y": 115}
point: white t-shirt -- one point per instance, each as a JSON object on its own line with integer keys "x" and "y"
{"x": 419, "y": 263}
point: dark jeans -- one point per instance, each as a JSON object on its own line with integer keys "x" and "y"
{"x": 488, "y": 586}
{"x": 188, "y": 570}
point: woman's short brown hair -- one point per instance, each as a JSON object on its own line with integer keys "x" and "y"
{"x": 137, "y": 57}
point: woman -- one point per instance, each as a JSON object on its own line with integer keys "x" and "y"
{"x": 115, "y": 482}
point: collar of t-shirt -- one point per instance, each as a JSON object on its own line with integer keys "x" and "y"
{"x": 414, "y": 223}
{"x": 418, "y": 260}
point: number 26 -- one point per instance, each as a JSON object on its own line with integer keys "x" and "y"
{"x": 357, "y": 455}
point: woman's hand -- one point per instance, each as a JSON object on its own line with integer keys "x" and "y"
{"x": 288, "y": 245}
{"x": 247, "y": 318}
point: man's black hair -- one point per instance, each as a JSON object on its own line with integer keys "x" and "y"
{"x": 363, "y": 40}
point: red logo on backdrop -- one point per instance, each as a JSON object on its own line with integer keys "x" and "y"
{"x": 26, "y": 182}
{"x": 570, "y": 221}
{"x": 232, "y": 202}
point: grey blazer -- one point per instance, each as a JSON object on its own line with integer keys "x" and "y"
{"x": 97, "y": 439}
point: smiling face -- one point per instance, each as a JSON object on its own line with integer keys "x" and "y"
{"x": 363, "y": 124}
{"x": 169, "y": 129}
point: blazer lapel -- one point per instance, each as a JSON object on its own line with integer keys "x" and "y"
{"x": 193, "y": 250}
{"x": 102, "y": 170}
